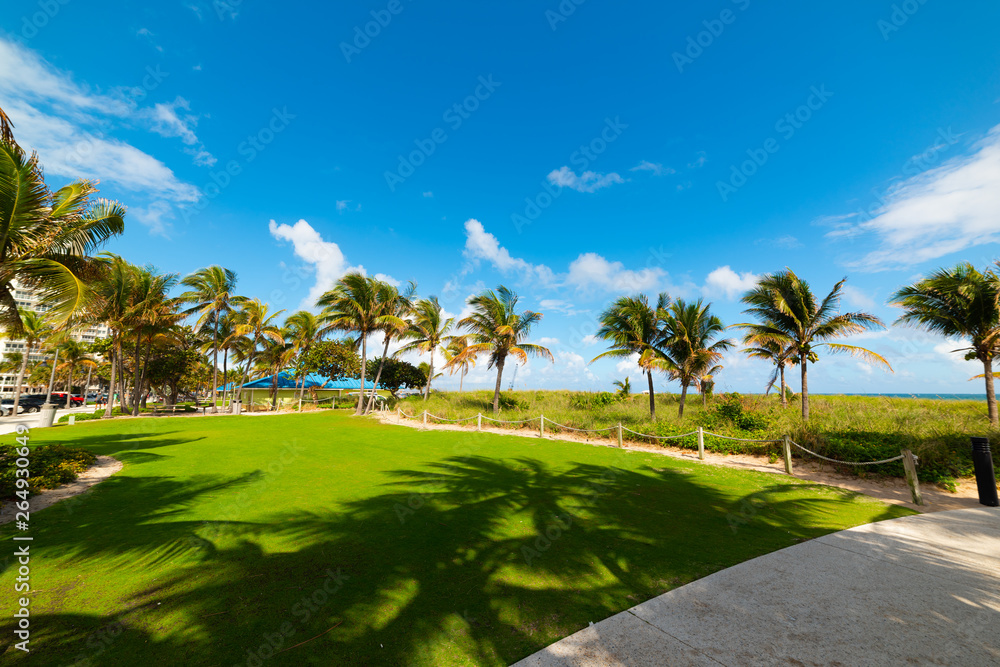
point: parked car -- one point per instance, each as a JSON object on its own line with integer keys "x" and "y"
{"x": 29, "y": 402}
{"x": 59, "y": 398}
{"x": 7, "y": 407}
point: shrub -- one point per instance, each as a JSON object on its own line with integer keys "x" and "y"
{"x": 599, "y": 400}
{"x": 740, "y": 413}
{"x": 512, "y": 402}
{"x": 51, "y": 466}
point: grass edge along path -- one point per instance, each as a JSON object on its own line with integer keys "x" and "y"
{"x": 229, "y": 540}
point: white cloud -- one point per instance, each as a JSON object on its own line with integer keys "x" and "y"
{"x": 655, "y": 167}
{"x": 173, "y": 119}
{"x": 856, "y": 297}
{"x": 590, "y": 270}
{"x": 941, "y": 211}
{"x": 699, "y": 161}
{"x": 558, "y": 306}
{"x": 429, "y": 195}
{"x": 325, "y": 257}
{"x": 545, "y": 340}
{"x": 590, "y": 339}
{"x": 589, "y": 181}
{"x": 153, "y": 216}
{"x": 787, "y": 242}
{"x": 629, "y": 365}
{"x": 724, "y": 281}
{"x": 481, "y": 245}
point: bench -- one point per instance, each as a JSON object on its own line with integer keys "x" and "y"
{"x": 174, "y": 409}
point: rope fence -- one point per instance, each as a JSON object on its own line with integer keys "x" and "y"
{"x": 905, "y": 455}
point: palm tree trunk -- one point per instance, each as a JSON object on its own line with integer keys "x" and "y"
{"x": 225, "y": 358}
{"x": 704, "y": 398}
{"x": 805, "y": 391}
{"x": 680, "y": 408}
{"x": 69, "y": 387}
{"x": 784, "y": 398}
{"x": 364, "y": 360}
{"x": 111, "y": 383}
{"x": 496, "y": 392}
{"x": 86, "y": 386}
{"x": 20, "y": 377}
{"x": 52, "y": 376}
{"x": 461, "y": 379}
{"x": 430, "y": 376}
{"x": 378, "y": 376}
{"x": 991, "y": 397}
{"x": 137, "y": 387}
{"x": 215, "y": 364}
{"x": 652, "y": 399}
{"x": 145, "y": 369}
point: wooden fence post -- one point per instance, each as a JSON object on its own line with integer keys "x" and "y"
{"x": 541, "y": 426}
{"x": 479, "y": 421}
{"x": 399, "y": 415}
{"x": 701, "y": 443}
{"x": 619, "y": 434}
{"x": 425, "y": 419}
{"x": 788, "y": 454}
{"x": 910, "y": 466}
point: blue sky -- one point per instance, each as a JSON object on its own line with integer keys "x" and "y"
{"x": 575, "y": 151}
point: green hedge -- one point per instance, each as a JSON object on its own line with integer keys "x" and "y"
{"x": 50, "y": 466}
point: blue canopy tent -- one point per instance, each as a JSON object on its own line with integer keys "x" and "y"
{"x": 288, "y": 385}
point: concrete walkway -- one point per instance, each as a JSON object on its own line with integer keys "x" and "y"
{"x": 921, "y": 590}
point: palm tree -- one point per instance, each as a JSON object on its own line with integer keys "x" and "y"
{"x": 706, "y": 383}
{"x": 959, "y": 302}
{"x": 459, "y": 356}
{"x": 624, "y": 387}
{"x": 110, "y": 302}
{"x": 632, "y": 326}
{"x": 256, "y": 324}
{"x": 152, "y": 313}
{"x": 496, "y": 327}
{"x": 73, "y": 353}
{"x": 212, "y": 294}
{"x": 427, "y": 331}
{"x": 35, "y": 329}
{"x": 789, "y": 315}
{"x": 356, "y": 303}
{"x": 46, "y": 238}
{"x": 686, "y": 348}
{"x": 302, "y": 331}
{"x": 776, "y": 353}
{"x": 274, "y": 358}
{"x": 399, "y": 304}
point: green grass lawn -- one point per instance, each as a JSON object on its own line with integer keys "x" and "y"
{"x": 225, "y": 536}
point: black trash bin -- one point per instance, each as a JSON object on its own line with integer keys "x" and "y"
{"x": 985, "y": 477}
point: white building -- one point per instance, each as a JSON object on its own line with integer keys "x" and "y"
{"x": 29, "y": 300}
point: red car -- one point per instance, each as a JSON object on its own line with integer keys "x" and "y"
{"x": 59, "y": 398}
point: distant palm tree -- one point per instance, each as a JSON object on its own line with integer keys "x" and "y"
{"x": 460, "y": 356}
{"x": 631, "y": 325}
{"x": 496, "y": 327}
{"x": 212, "y": 294}
{"x": 706, "y": 384}
{"x": 73, "y": 353}
{"x": 110, "y": 301}
{"x": 302, "y": 331}
{"x": 959, "y": 302}
{"x": 686, "y": 348}
{"x": 355, "y": 304}
{"x": 789, "y": 315}
{"x": 776, "y": 353}
{"x": 427, "y": 331}
{"x": 399, "y": 304}
{"x": 274, "y": 358}
{"x": 153, "y": 313}
{"x": 35, "y": 329}
{"x": 46, "y": 238}
{"x": 624, "y": 387}
{"x": 254, "y": 322}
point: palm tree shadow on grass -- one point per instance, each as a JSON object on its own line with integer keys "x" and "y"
{"x": 468, "y": 560}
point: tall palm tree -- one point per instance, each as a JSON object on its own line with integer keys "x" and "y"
{"x": 496, "y": 327}
{"x": 35, "y": 329}
{"x": 254, "y": 322}
{"x": 959, "y": 302}
{"x": 273, "y": 358}
{"x": 427, "y": 331}
{"x": 631, "y": 325}
{"x": 212, "y": 294}
{"x": 303, "y": 330}
{"x": 789, "y": 315}
{"x": 778, "y": 354}
{"x": 399, "y": 304}
{"x": 46, "y": 238}
{"x": 110, "y": 302}
{"x": 459, "y": 355}
{"x": 686, "y": 347}
{"x": 73, "y": 353}
{"x": 152, "y": 314}
{"x": 355, "y": 304}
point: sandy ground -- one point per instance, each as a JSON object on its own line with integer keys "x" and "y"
{"x": 105, "y": 467}
{"x": 889, "y": 489}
